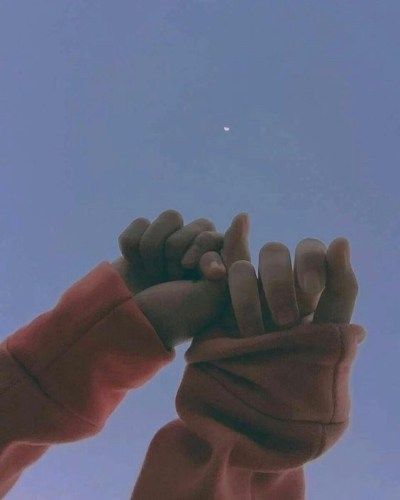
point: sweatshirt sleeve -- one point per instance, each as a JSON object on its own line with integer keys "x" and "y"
{"x": 252, "y": 412}
{"x": 64, "y": 373}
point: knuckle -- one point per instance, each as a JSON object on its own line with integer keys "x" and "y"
{"x": 353, "y": 285}
{"x": 170, "y": 213}
{"x": 203, "y": 239}
{"x": 140, "y": 221}
{"x": 131, "y": 234}
{"x": 126, "y": 240}
{"x": 172, "y": 216}
{"x": 172, "y": 245}
{"x": 346, "y": 287}
{"x": 206, "y": 223}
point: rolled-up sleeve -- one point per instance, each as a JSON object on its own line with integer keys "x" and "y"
{"x": 64, "y": 373}
{"x": 252, "y": 412}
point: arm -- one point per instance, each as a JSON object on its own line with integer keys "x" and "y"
{"x": 64, "y": 373}
{"x": 254, "y": 410}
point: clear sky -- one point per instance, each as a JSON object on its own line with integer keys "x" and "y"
{"x": 114, "y": 110}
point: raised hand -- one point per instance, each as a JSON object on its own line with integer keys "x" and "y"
{"x": 322, "y": 287}
{"x": 181, "y": 309}
{"x": 153, "y": 253}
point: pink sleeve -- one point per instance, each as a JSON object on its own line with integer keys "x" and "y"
{"x": 252, "y": 412}
{"x": 63, "y": 374}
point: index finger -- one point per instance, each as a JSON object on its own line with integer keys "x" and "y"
{"x": 236, "y": 245}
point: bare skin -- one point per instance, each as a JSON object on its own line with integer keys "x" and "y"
{"x": 180, "y": 309}
{"x": 280, "y": 298}
{"x": 152, "y": 252}
{"x": 321, "y": 287}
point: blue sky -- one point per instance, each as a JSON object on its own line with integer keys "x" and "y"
{"x": 114, "y": 110}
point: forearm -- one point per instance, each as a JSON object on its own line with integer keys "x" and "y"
{"x": 252, "y": 412}
{"x": 190, "y": 467}
{"x": 64, "y": 373}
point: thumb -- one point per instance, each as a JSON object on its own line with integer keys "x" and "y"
{"x": 210, "y": 299}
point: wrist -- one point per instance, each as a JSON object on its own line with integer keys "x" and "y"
{"x": 148, "y": 307}
{"x": 122, "y": 267}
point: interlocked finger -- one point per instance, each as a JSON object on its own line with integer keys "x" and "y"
{"x": 211, "y": 266}
{"x": 129, "y": 239}
{"x": 207, "y": 241}
{"x": 152, "y": 243}
{"x": 178, "y": 244}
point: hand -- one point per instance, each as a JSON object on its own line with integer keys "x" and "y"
{"x": 322, "y": 288}
{"x": 179, "y": 310}
{"x": 164, "y": 250}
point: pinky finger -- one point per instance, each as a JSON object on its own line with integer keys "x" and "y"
{"x": 337, "y": 301}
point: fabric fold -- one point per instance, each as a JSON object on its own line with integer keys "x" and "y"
{"x": 258, "y": 409}
{"x": 64, "y": 373}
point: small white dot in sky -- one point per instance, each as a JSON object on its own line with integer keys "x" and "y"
{"x": 226, "y": 129}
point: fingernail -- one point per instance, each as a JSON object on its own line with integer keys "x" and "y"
{"x": 311, "y": 282}
{"x": 216, "y": 266}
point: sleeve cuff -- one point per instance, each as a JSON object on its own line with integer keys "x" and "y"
{"x": 92, "y": 347}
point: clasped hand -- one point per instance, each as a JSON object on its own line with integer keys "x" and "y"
{"x": 189, "y": 278}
